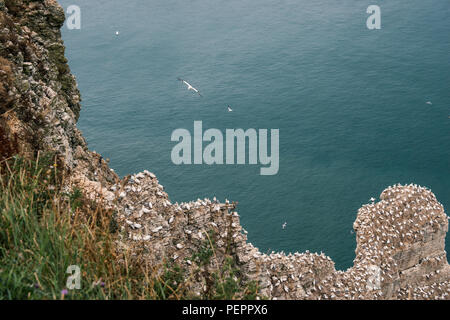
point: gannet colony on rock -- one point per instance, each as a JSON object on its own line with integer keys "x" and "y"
{"x": 400, "y": 245}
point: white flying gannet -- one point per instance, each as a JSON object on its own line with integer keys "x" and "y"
{"x": 189, "y": 87}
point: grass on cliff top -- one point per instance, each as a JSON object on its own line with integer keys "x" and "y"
{"x": 44, "y": 230}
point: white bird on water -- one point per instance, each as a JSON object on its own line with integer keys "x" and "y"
{"x": 117, "y": 33}
{"x": 429, "y": 102}
{"x": 190, "y": 87}
{"x": 284, "y": 225}
{"x": 229, "y": 109}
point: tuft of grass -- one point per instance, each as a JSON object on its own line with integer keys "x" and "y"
{"x": 75, "y": 198}
{"x": 222, "y": 277}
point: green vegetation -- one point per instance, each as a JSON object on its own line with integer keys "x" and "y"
{"x": 44, "y": 230}
{"x": 223, "y": 280}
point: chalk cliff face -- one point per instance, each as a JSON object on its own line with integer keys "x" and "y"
{"x": 400, "y": 250}
{"x": 40, "y": 101}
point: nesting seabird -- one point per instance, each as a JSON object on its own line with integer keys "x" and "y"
{"x": 189, "y": 86}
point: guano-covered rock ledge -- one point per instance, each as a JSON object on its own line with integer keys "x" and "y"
{"x": 400, "y": 250}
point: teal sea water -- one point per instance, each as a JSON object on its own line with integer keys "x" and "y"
{"x": 350, "y": 103}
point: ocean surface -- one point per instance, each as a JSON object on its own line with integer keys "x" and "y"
{"x": 350, "y": 103}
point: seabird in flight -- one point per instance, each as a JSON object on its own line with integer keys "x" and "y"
{"x": 189, "y": 87}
